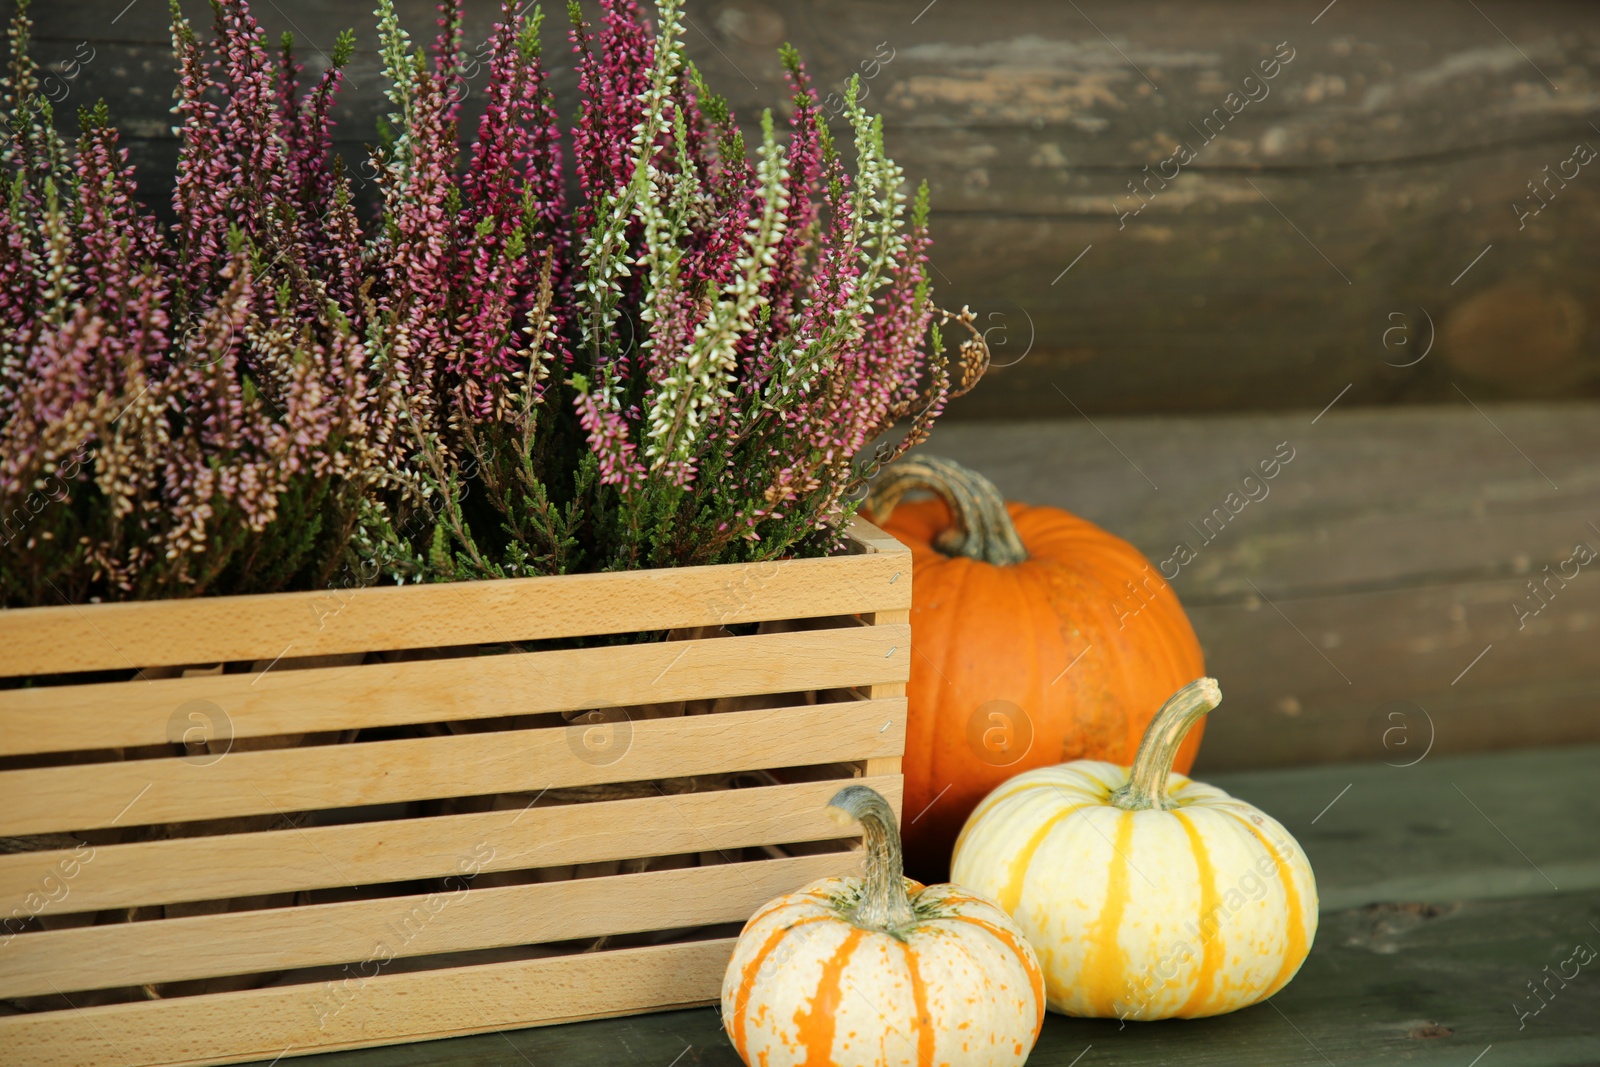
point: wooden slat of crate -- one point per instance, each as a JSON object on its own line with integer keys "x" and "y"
{"x": 274, "y": 781}
{"x": 35, "y": 641}
{"x": 290, "y": 1020}
{"x": 455, "y": 919}
{"x": 240, "y": 865}
{"x": 64, "y": 718}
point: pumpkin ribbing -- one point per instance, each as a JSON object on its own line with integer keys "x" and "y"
{"x": 856, "y": 972}
{"x": 1148, "y": 895}
{"x": 1069, "y": 633}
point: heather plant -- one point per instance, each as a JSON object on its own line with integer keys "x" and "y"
{"x": 730, "y": 333}
{"x": 468, "y": 283}
{"x": 782, "y": 308}
{"x": 699, "y": 359}
{"x": 184, "y": 408}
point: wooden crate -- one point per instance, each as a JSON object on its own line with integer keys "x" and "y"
{"x": 336, "y": 963}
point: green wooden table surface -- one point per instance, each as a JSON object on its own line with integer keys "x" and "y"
{"x": 1447, "y": 887}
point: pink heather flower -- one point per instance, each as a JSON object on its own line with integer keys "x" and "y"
{"x": 158, "y": 370}
{"x": 513, "y": 196}
{"x": 612, "y": 80}
{"x": 608, "y": 438}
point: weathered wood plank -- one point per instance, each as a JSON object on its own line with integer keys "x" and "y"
{"x": 1365, "y": 84}
{"x": 1395, "y": 142}
{"x": 1399, "y": 543}
{"x": 1312, "y": 682}
{"x": 1370, "y": 499}
{"x": 1397, "y": 983}
{"x": 1449, "y": 828}
{"x": 1212, "y": 299}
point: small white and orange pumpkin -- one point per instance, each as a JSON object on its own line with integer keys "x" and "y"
{"x": 1147, "y": 895}
{"x": 880, "y": 971}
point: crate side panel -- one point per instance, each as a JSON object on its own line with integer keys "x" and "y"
{"x": 50, "y": 640}
{"x": 249, "y": 864}
{"x": 452, "y": 919}
{"x": 387, "y": 1009}
{"x": 316, "y": 777}
{"x": 277, "y": 703}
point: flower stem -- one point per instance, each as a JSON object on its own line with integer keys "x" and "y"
{"x": 1147, "y": 779}
{"x": 885, "y": 905}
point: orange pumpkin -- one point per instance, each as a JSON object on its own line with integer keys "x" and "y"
{"x": 1037, "y": 638}
{"x": 879, "y": 970}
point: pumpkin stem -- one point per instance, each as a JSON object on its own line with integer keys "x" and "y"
{"x": 1147, "y": 779}
{"x": 981, "y": 528}
{"x": 885, "y": 905}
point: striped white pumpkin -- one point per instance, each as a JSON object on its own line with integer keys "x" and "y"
{"x": 1192, "y": 905}
{"x": 819, "y": 978}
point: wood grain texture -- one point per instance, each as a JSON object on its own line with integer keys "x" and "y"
{"x": 1394, "y": 142}
{"x": 207, "y": 630}
{"x": 523, "y": 838}
{"x": 295, "y": 1020}
{"x": 274, "y": 703}
{"x": 91, "y": 796}
{"x": 1386, "y": 556}
{"x": 1448, "y": 828}
{"x": 452, "y": 919}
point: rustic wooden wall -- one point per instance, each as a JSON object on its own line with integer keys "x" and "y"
{"x": 1410, "y": 579}
{"x": 1363, "y": 209}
